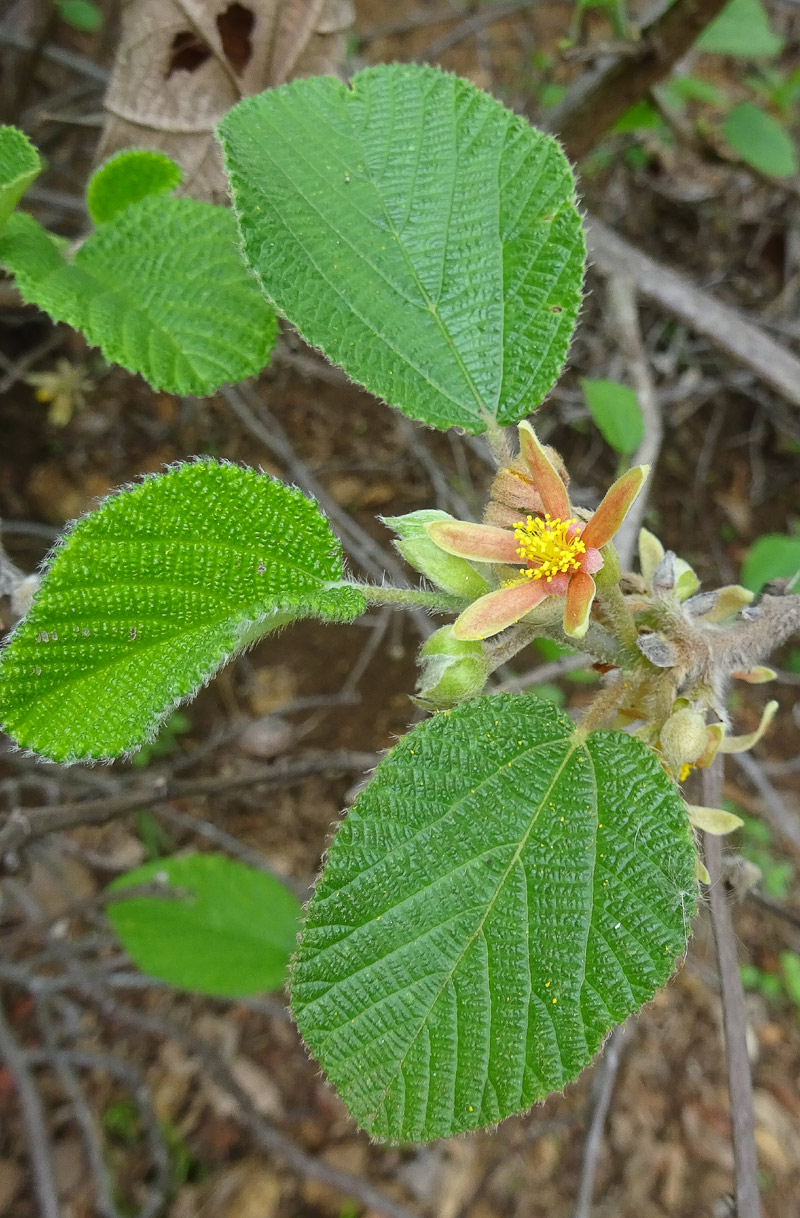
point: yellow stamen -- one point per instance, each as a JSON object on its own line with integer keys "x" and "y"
{"x": 546, "y": 543}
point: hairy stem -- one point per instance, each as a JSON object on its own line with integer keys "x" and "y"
{"x": 610, "y": 597}
{"x": 441, "y": 602}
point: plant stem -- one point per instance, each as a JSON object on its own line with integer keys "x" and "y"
{"x": 740, "y": 1085}
{"x": 441, "y": 602}
{"x": 610, "y": 596}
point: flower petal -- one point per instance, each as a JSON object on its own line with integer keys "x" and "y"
{"x": 578, "y": 606}
{"x": 592, "y": 561}
{"x": 497, "y": 610}
{"x": 546, "y": 478}
{"x": 614, "y": 508}
{"x": 740, "y": 744}
{"x": 480, "y": 542}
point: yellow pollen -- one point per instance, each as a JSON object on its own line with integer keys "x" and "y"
{"x": 546, "y": 543}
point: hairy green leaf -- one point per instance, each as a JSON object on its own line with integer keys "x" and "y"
{"x": 19, "y": 166}
{"x": 160, "y": 289}
{"x": 761, "y": 141}
{"x": 500, "y": 896}
{"x": 149, "y": 595}
{"x": 420, "y": 234}
{"x": 128, "y": 177}
{"x": 742, "y": 28}
{"x": 231, "y": 932}
{"x": 617, "y": 413}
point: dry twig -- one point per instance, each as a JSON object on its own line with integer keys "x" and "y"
{"x": 745, "y": 342}
{"x": 600, "y": 97}
{"x": 740, "y": 1085}
{"x": 25, "y": 826}
{"x": 605, "y": 1077}
{"x": 622, "y": 299}
{"x": 35, "y": 1126}
{"x": 773, "y": 808}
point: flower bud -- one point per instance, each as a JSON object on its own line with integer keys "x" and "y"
{"x": 452, "y": 670}
{"x": 455, "y": 575}
{"x": 684, "y": 737}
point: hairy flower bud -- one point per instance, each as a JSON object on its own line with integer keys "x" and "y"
{"x": 447, "y": 571}
{"x": 684, "y": 737}
{"x": 452, "y": 670}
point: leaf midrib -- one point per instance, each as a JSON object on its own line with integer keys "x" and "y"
{"x": 573, "y": 746}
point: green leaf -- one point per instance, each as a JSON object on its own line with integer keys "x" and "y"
{"x": 81, "y": 15}
{"x": 641, "y": 116}
{"x": 680, "y": 89}
{"x": 761, "y": 141}
{"x": 616, "y": 411}
{"x": 161, "y": 290}
{"x": 790, "y": 968}
{"x": 149, "y": 595}
{"x": 500, "y": 896}
{"x": 19, "y": 166}
{"x": 773, "y": 556}
{"x": 742, "y": 28}
{"x": 231, "y": 934}
{"x": 127, "y": 178}
{"x": 420, "y": 234}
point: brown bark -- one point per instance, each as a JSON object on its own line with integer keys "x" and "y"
{"x": 600, "y": 98}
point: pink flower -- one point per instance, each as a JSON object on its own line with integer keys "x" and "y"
{"x": 560, "y": 554}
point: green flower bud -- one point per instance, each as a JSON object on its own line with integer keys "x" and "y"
{"x": 451, "y": 670}
{"x": 684, "y": 738}
{"x": 452, "y": 574}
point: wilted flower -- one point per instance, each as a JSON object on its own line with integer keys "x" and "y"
{"x": 560, "y": 553}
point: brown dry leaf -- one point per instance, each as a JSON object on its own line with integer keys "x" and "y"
{"x": 182, "y": 64}
{"x": 11, "y": 1179}
{"x": 249, "y": 1189}
{"x": 259, "y": 1086}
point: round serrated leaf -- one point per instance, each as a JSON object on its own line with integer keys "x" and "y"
{"x": 422, "y": 235}
{"x": 231, "y": 932}
{"x": 161, "y": 289}
{"x": 500, "y": 896}
{"x": 149, "y": 595}
{"x": 19, "y": 166}
{"x": 126, "y": 178}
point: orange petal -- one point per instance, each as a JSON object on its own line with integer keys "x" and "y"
{"x": 545, "y": 476}
{"x": 497, "y": 610}
{"x": 480, "y": 542}
{"x": 614, "y": 508}
{"x": 578, "y": 606}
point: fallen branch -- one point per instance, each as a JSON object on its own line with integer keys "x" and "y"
{"x": 27, "y": 825}
{"x": 605, "y": 1077}
{"x": 600, "y": 97}
{"x": 44, "y": 1184}
{"x": 745, "y": 342}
